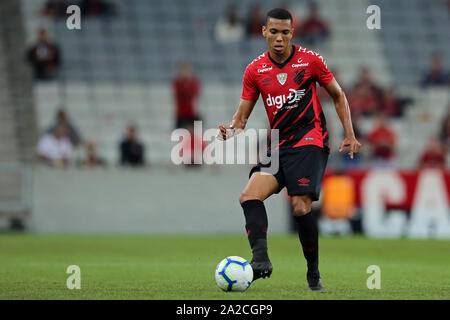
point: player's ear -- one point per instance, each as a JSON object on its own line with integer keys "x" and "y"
{"x": 264, "y": 30}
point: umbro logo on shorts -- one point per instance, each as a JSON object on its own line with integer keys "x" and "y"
{"x": 303, "y": 182}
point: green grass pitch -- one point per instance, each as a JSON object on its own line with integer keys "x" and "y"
{"x": 182, "y": 267}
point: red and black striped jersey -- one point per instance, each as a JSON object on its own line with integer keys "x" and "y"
{"x": 290, "y": 95}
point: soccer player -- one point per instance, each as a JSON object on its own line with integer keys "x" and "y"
{"x": 286, "y": 76}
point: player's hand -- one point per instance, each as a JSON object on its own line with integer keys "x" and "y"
{"x": 351, "y": 144}
{"x": 225, "y": 133}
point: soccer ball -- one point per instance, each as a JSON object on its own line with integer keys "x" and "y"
{"x": 234, "y": 274}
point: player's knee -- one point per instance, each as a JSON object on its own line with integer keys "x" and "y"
{"x": 301, "y": 208}
{"x": 245, "y": 197}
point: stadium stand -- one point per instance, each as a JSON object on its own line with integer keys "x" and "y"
{"x": 17, "y": 121}
{"x": 117, "y": 70}
{"x": 412, "y": 31}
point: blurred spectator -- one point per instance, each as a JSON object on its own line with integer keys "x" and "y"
{"x": 186, "y": 89}
{"x": 365, "y": 80}
{"x": 54, "y": 149}
{"x": 383, "y": 141}
{"x": 193, "y": 144}
{"x": 444, "y": 134}
{"x": 229, "y": 28}
{"x": 131, "y": 149}
{"x": 91, "y": 159}
{"x": 362, "y": 101}
{"x": 255, "y": 21}
{"x": 55, "y": 8}
{"x": 96, "y": 8}
{"x": 44, "y": 57}
{"x": 391, "y": 105}
{"x": 62, "y": 119}
{"x": 314, "y": 30}
{"x": 436, "y": 75}
{"x": 434, "y": 155}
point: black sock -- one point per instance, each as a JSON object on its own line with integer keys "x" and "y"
{"x": 308, "y": 234}
{"x": 256, "y": 226}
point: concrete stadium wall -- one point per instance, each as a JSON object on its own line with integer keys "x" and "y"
{"x": 155, "y": 200}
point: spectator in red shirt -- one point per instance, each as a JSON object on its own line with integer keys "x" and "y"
{"x": 194, "y": 144}
{"x": 444, "y": 134}
{"x": 383, "y": 141}
{"x": 434, "y": 155}
{"x": 255, "y": 21}
{"x": 362, "y": 101}
{"x": 365, "y": 80}
{"x": 96, "y": 8}
{"x": 186, "y": 89}
{"x": 390, "y": 105}
{"x": 44, "y": 56}
{"x": 314, "y": 30}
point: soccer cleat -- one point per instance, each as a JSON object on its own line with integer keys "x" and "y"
{"x": 314, "y": 281}
{"x": 261, "y": 269}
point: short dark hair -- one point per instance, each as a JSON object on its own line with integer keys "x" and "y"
{"x": 279, "y": 13}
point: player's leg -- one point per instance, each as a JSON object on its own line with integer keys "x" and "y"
{"x": 308, "y": 234}
{"x": 304, "y": 170}
{"x": 260, "y": 186}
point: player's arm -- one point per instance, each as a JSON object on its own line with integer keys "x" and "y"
{"x": 343, "y": 111}
{"x": 239, "y": 120}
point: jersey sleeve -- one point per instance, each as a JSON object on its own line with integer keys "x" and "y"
{"x": 321, "y": 72}
{"x": 250, "y": 89}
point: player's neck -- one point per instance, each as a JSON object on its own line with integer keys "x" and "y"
{"x": 281, "y": 57}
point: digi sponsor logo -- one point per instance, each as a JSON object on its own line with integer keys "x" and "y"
{"x": 279, "y": 101}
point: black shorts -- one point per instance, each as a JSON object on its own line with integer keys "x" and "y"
{"x": 300, "y": 170}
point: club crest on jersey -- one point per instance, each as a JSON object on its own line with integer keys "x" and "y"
{"x": 282, "y": 77}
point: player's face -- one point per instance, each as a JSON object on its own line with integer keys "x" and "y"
{"x": 278, "y": 34}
